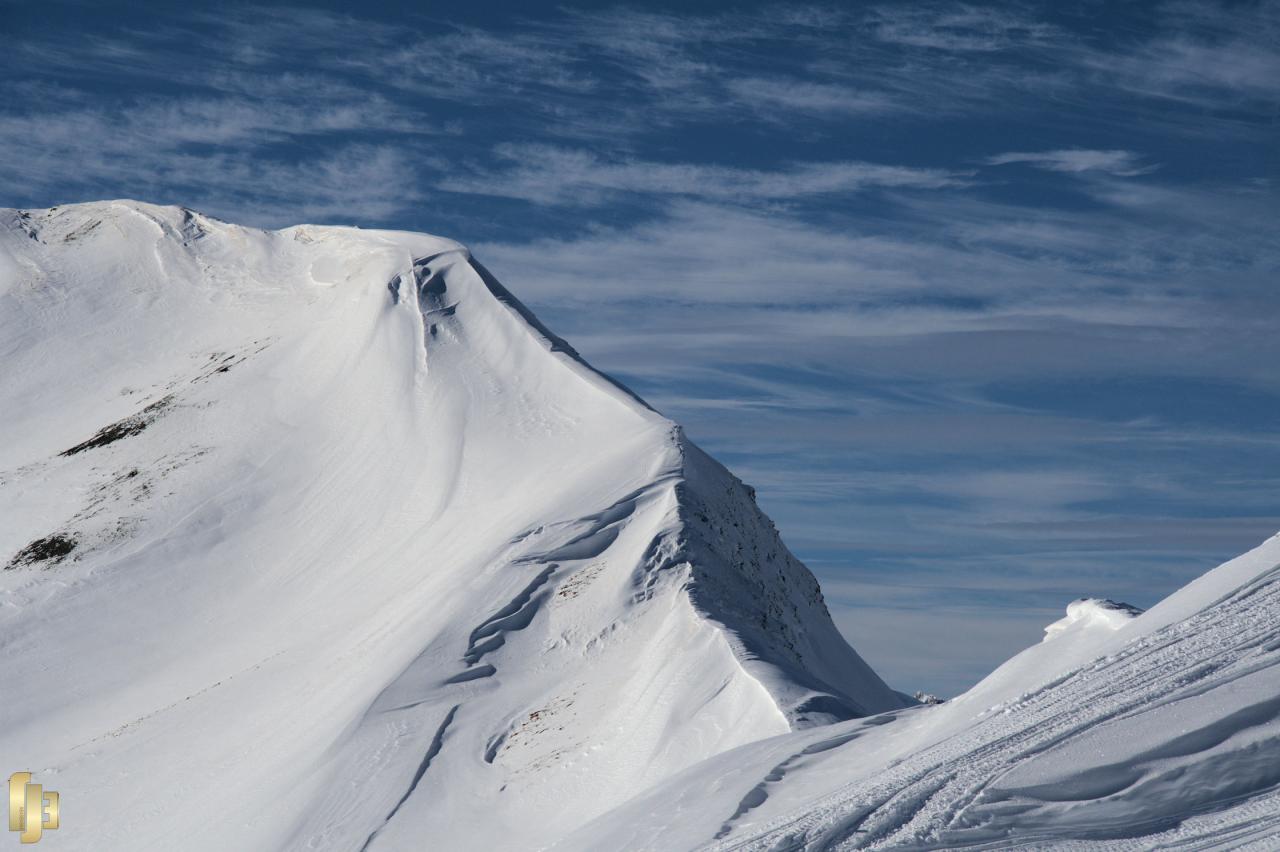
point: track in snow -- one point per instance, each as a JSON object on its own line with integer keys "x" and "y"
{"x": 950, "y": 795}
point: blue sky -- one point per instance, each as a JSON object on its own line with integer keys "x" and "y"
{"x": 982, "y": 298}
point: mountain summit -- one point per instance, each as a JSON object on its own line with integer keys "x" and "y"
{"x": 317, "y": 539}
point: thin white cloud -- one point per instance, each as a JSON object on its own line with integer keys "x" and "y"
{"x": 949, "y": 256}
{"x": 347, "y": 183}
{"x": 173, "y": 123}
{"x": 250, "y": 158}
{"x": 961, "y": 288}
{"x": 1114, "y": 162}
{"x": 552, "y": 175}
{"x": 958, "y": 27}
{"x": 609, "y": 75}
{"x": 1212, "y": 55}
{"x": 789, "y": 95}
{"x": 470, "y": 64}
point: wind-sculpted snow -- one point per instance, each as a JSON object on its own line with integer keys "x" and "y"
{"x": 1091, "y": 612}
{"x": 1161, "y": 731}
{"x": 317, "y": 539}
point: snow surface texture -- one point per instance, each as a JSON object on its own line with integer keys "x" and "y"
{"x": 317, "y": 539}
{"x": 1120, "y": 731}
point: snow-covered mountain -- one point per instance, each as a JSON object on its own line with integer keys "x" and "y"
{"x": 317, "y": 539}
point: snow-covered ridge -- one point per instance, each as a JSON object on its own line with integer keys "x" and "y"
{"x": 1154, "y": 731}
{"x": 324, "y": 517}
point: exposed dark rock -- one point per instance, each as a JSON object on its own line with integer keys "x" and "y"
{"x": 51, "y": 549}
{"x": 129, "y": 426}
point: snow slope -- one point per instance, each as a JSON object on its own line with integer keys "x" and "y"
{"x": 1120, "y": 730}
{"x": 317, "y": 539}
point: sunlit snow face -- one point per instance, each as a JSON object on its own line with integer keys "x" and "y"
{"x": 978, "y": 297}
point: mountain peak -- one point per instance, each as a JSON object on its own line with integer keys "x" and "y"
{"x": 355, "y": 496}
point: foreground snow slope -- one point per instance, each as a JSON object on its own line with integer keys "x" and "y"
{"x": 1155, "y": 731}
{"x": 316, "y": 539}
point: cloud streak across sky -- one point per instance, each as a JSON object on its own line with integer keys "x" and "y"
{"x": 1120, "y": 163}
{"x": 981, "y": 298}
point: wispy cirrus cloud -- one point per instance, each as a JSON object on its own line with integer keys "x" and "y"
{"x": 967, "y": 259}
{"x": 223, "y": 153}
{"x": 802, "y": 230}
{"x": 1216, "y": 56}
{"x": 221, "y": 121}
{"x": 959, "y": 27}
{"x": 565, "y": 176}
{"x": 788, "y": 95}
{"x": 1120, "y": 163}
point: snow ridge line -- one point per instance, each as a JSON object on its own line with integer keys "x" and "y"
{"x": 437, "y": 742}
{"x": 1214, "y": 646}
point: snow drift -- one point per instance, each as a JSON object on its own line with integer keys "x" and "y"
{"x": 317, "y": 539}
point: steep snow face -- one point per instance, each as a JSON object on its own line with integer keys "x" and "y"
{"x": 1156, "y": 730}
{"x": 316, "y": 539}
